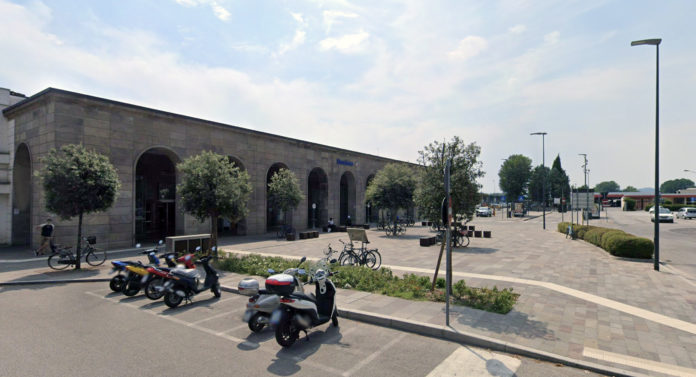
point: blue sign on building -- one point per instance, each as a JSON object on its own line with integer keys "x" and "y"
{"x": 502, "y": 198}
{"x": 521, "y": 198}
{"x": 692, "y": 199}
{"x": 344, "y": 162}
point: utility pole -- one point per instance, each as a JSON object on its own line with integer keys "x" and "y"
{"x": 584, "y": 167}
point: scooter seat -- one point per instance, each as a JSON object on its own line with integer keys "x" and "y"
{"x": 189, "y": 273}
{"x": 303, "y": 296}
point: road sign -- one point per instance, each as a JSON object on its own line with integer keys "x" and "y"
{"x": 502, "y": 198}
{"x": 521, "y": 198}
{"x": 584, "y": 200}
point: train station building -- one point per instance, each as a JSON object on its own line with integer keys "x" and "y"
{"x": 145, "y": 145}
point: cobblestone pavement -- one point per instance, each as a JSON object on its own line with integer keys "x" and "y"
{"x": 582, "y": 302}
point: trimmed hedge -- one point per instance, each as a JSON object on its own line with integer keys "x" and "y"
{"x": 615, "y": 241}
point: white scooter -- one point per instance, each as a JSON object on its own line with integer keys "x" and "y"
{"x": 299, "y": 311}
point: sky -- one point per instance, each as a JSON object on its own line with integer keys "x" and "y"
{"x": 388, "y": 77}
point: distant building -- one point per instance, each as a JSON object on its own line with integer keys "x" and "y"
{"x": 145, "y": 145}
{"x": 7, "y": 98}
{"x": 644, "y": 199}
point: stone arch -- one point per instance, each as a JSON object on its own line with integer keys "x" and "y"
{"x": 274, "y": 216}
{"x": 317, "y": 193}
{"x": 225, "y": 227}
{"x": 21, "y": 196}
{"x": 371, "y": 213}
{"x": 155, "y": 211}
{"x": 347, "y": 197}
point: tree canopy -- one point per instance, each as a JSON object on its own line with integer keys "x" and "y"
{"x": 78, "y": 181}
{"x": 514, "y": 175}
{"x": 676, "y": 184}
{"x": 536, "y": 183}
{"x": 559, "y": 183}
{"x": 466, "y": 169}
{"x": 284, "y": 192}
{"x": 607, "y": 186}
{"x": 630, "y": 188}
{"x": 212, "y": 187}
{"x": 392, "y": 188}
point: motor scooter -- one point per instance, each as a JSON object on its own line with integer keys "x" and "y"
{"x": 136, "y": 275}
{"x": 298, "y": 311}
{"x": 118, "y": 282}
{"x": 262, "y": 303}
{"x": 153, "y": 282}
{"x": 184, "y": 284}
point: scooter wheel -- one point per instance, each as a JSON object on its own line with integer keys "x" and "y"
{"x": 216, "y": 290}
{"x": 116, "y": 283}
{"x": 254, "y": 324}
{"x": 286, "y": 334}
{"x": 131, "y": 289}
{"x": 172, "y": 299}
{"x": 151, "y": 289}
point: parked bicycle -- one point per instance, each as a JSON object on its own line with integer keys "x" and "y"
{"x": 460, "y": 237}
{"x": 63, "y": 257}
{"x": 389, "y": 229}
{"x": 350, "y": 256}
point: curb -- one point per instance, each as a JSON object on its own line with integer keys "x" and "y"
{"x": 450, "y": 334}
{"x": 64, "y": 281}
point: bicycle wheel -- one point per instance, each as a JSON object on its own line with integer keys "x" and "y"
{"x": 464, "y": 241}
{"x": 349, "y": 260}
{"x": 95, "y": 257}
{"x": 57, "y": 263}
{"x": 373, "y": 259}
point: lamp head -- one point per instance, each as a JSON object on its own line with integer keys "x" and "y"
{"x": 653, "y": 42}
{"x": 538, "y": 133}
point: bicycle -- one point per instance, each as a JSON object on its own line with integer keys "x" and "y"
{"x": 62, "y": 257}
{"x": 367, "y": 257}
{"x": 389, "y": 229}
{"x": 460, "y": 238}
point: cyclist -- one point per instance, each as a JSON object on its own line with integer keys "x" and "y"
{"x": 46, "y": 237}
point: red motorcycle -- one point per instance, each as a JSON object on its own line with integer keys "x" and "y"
{"x": 154, "y": 287}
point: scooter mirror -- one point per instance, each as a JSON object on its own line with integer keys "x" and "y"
{"x": 303, "y": 259}
{"x": 137, "y": 245}
{"x": 161, "y": 242}
{"x": 301, "y": 271}
{"x": 271, "y": 271}
{"x": 213, "y": 248}
{"x": 333, "y": 261}
{"x": 198, "y": 248}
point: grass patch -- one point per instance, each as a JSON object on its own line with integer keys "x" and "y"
{"x": 383, "y": 281}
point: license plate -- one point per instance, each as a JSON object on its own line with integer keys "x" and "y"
{"x": 247, "y": 315}
{"x": 275, "y": 317}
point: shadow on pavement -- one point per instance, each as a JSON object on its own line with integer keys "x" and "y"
{"x": 515, "y": 323}
{"x": 287, "y": 360}
{"x": 474, "y": 250}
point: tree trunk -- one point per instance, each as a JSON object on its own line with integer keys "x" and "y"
{"x": 214, "y": 234}
{"x": 79, "y": 238}
{"x": 395, "y": 211}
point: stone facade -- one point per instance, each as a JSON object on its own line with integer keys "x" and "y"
{"x": 124, "y": 132}
{"x": 7, "y": 98}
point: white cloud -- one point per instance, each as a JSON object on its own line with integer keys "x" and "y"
{"x": 349, "y": 43}
{"x": 333, "y": 16}
{"x": 298, "y": 17}
{"x": 469, "y": 47}
{"x": 218, "y": 10}
{"x": 297, "y": 40}
{"x": 518, "y": 29}
{"x": 552, "y": 38}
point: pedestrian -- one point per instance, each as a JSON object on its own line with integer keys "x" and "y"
{"x": 46, "y": 237}
{"x": 349, "y": 222}
{"x": 331, "y": 225}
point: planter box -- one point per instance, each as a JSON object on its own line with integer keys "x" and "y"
{"x": 477, "y": 234}
{"x": 472, "y": 227}
{"x": 424, "y": 223}
{"x": 428, "y": 241}
{"x": 303, "y": 235}
{"x": 470, "y": 233}
{"x": 366, "y": 226}
{"x": 290, "y": 236}
{"x": 315, "y": 234}
{"x": 486, "y": 234}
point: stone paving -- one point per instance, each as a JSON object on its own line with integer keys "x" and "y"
{"x": 633, "y": 318}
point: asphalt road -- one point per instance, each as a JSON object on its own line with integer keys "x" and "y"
{"x": 87, "y": 330}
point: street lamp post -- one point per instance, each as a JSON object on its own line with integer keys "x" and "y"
{"x": 314, "y": 215}
{"x": 543, "y": 163}
{"x": 656, "y": 42}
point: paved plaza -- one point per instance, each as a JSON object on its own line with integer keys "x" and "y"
{"x": 577, "y": 301}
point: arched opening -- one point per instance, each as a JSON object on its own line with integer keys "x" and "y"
{"x": 347, "y": 203}
{"x": 318, "y": 195}
{"x": 155, "y": 195}
{"x": 274, "y": 216}
{"x": 21, "y": 197}
{"x": 225, "y": 226}
{"x": 370, "y": 211}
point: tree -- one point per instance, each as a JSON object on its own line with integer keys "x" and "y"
{"x": 607, "y": 186}
{"x": 514, "y": 175}
{"x": 676, "y": 184}
{"x": 559, "y": 183}
{"x": 630, "y": 188}
{"x": 466, "y": 169}
{"x": 392, "y": 188}
{"x": 536, "y": 183}
{"x": 284, "y": 192}
{"x": 76, "y": 182}
{"x": 212, "y": 187}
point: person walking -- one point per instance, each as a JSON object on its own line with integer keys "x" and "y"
{"x": 46, "y": 237}
{"x": 349, "y": 222}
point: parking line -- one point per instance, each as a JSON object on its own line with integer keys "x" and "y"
{"x": 373, "y": 355}
{"x": 216, "y": 316}
{"x": 653, "y": 366}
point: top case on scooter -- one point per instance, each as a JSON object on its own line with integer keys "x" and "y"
{"x": 280, "y": 284}
{"x": 248, "y": 287}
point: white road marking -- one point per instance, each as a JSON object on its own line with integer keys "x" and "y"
{"x": 653, "y": 366}
{"x": 466, "y": 361}
{"x": 218, "y": 316}
{"x": 373, "y": 355}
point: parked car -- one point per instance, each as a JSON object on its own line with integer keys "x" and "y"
{"x": 665, "y": 215}
{"x": 484, "y": 211}
{"x": 687, "y": 213}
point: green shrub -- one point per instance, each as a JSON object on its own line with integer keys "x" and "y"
{"x": 630, "y": 246}
{"x": 594, "y": 236}
{"x": 629, "y": 204}
{"x": 563, "y": 227}
{"x": 383, "y": 281}
{"x": 580, "y": 230}
{"x": 604, "y": 238}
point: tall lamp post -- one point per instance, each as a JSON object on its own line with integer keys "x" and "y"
{"x": 314, "y": 216}
{"x": 656, "y": 42}
{"x": 543, "y": 163}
